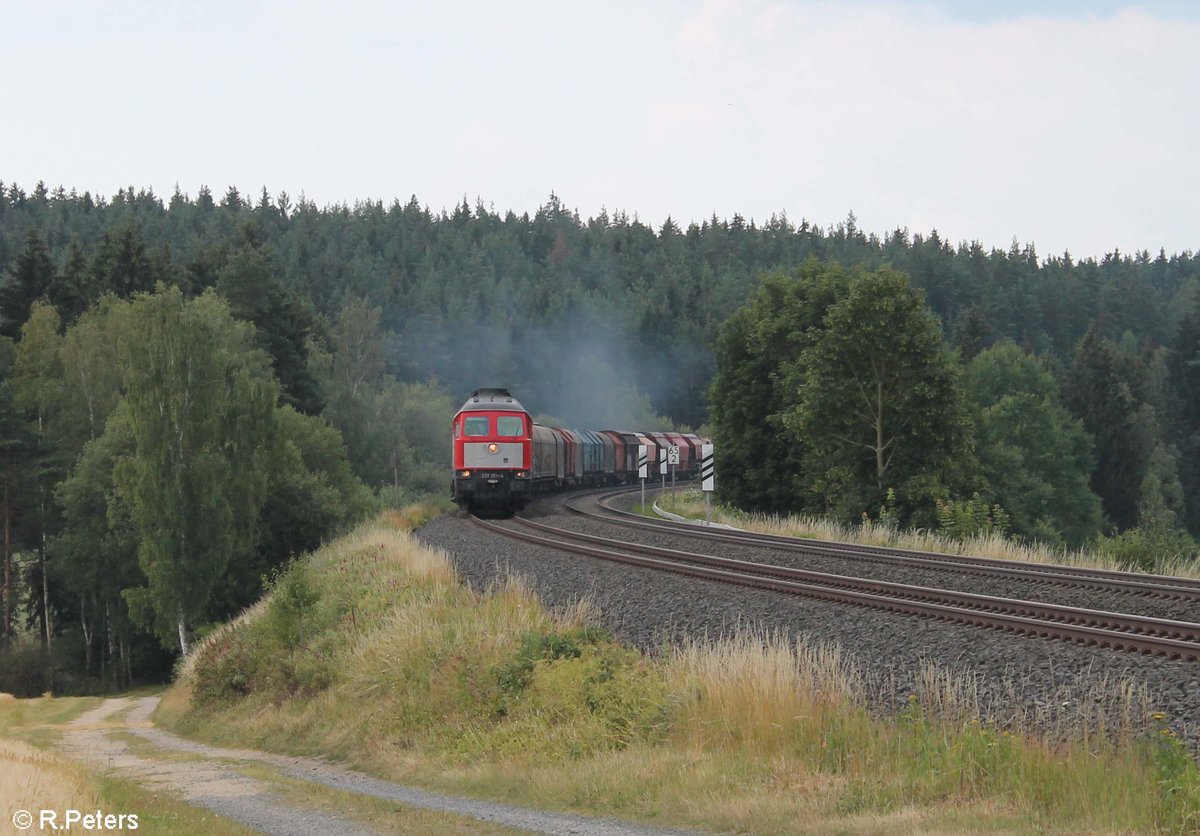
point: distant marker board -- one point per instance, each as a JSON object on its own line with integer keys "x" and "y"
{"x": 707, "y": 469}
{"x": 643, "y": 462}
{"x": 662, "y": 466}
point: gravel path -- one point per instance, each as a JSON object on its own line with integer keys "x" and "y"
{"x": 1019, "y": 679}
{"x": 210, "y": 783}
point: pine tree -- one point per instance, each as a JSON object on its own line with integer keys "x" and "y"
{"x": 121, "y": 264}
{"x": 31, "y": 278}
{"x": 249, "y": 283}
{"x": 1102, "y": 390}
{"x": 18, "y": 443}
{"x": 1184, "y": 376}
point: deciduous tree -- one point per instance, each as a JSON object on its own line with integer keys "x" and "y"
{"x": 201, "y": 403}
{"x": 880, "y": 405}
{"x": 758, "y": 382}
{"x": 1036, "y": 456}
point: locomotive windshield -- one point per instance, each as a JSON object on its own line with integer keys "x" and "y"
{"x": 510, "y": 425}
{"x": 477, "y": 425}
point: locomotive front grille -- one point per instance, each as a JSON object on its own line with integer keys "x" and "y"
{"x": 507, "y": 455}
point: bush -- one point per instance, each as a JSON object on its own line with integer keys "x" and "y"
{"x": 1146, "y": 548}
{"x": 1155, "y": 540}
{"x": 966, "y": 518}
{"x": 515, "y": 676}
{"x": 225, "y": 671}
{"x": 24, "y": 671}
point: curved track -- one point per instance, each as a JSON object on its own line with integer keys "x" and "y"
{"x": 1097, "y": 628}
{"x": 1167, "y": 586}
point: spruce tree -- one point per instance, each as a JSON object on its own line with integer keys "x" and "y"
{"x": 249, "y": 283}
{"x": 31, "y": 278}
{"x": 1102, "y": 390}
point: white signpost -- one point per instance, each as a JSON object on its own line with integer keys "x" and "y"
{"x": 707, "y": 478}
{"x": 662, "y": 471}
{"x": 643, "y": 467}
{"x": 673, "y": 461}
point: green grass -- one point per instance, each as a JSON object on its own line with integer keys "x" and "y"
{"x": 38, "y": 721}
{"x": 159, "y": 813}
{"x": 375, "y": 813}
{"x": 371, "y": 652}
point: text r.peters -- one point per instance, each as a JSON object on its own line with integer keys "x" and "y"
{"x": 78, "y": 820}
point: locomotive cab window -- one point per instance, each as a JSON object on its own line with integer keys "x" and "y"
{"x": 476, "y": 426}
{"x": 510, "y": 425}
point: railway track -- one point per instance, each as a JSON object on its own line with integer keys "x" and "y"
{"x": 1160, "y": 586}
{"x": 1096, "y": 628}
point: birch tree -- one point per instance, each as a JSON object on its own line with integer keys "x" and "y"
{"x": 200, "y": 399}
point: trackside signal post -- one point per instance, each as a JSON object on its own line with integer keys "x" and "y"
{"x": 643, "y": 467}
{"x": 707, "y": 479}
{"x": 673, "y": 461}
{"x": 662, "y": 471}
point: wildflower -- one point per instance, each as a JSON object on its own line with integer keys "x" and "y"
{"x": 1158, "y": 715}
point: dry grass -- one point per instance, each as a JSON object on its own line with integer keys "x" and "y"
{"x": 31, "y": 779}
{"x": 432, "y": 683}
{"x": 690, "y": 503}
{"x": 745, "y": 690}
{"x": 34, "y": 779}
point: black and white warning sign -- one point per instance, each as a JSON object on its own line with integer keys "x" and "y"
{"x": 707, "y": 469}
{"x": 643, "y": 462}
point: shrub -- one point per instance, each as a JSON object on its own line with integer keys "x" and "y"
{"x": 225, "y": 671}
{"x": 514, "y": 676}
{"x": 23, "y": 668}
{"x": 966, "y": 518}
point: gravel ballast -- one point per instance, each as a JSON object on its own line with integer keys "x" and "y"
{"x": 1019, "y": 678}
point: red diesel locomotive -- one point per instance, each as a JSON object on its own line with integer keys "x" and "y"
{"x": 493, "y": 440}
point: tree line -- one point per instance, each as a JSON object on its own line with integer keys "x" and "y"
{"x": 837, "y": 393}
{"x": 363, "y": 326}
{"x": 606, "y": 293}
{"x": 166, "y": 448}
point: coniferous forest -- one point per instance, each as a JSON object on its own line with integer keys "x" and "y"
{"x": 195, "y": 389}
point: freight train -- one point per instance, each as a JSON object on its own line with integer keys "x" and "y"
{"x": 502, "y": 459}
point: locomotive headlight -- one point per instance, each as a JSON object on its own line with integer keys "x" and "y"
{"x": 493, "y": 447}
{"x": 464, "y": 474}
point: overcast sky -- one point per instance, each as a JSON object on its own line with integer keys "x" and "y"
{"x": 1072, "y": 125}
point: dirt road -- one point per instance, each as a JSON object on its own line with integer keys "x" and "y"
{"x": 208, "y": 777}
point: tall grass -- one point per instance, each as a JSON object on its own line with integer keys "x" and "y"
{"x": 690, "y": 503}
{"x": 31, "y": 779}
{"x": 400, "y": 669}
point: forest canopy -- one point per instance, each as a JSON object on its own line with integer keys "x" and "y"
{"x": 1061, "y": 390}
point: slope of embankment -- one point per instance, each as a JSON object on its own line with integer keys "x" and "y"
{"x": 371, "y": 652}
